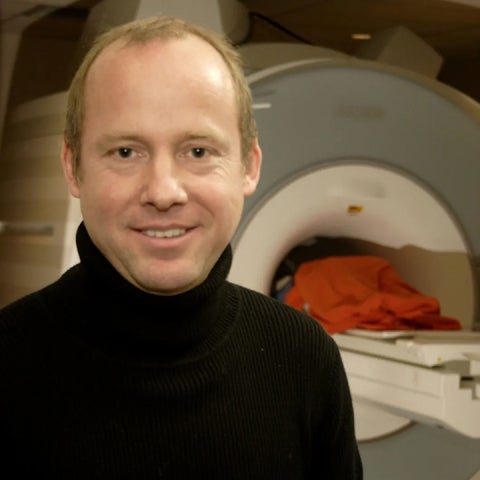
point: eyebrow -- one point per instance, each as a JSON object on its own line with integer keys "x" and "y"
{"x": 214, "y": 136}
{"x": 115, "y": 137}
{"x": 192, "y": 135}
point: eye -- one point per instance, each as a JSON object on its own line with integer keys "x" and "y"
{"x": 198, "y": 152}
{"x": 125, "y": 152}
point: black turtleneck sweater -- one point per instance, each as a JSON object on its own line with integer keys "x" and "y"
{"x": 99, "y": 380}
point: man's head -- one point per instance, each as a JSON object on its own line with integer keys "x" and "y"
{"x": 143, "y": 31}
{"x": 156, "y": 153}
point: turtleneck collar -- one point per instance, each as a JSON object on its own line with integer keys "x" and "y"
{"x": 109, "y": 311}
{"x": 111, "y": 282}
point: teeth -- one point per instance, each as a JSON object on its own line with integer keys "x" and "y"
{"x": 174, "y": 232}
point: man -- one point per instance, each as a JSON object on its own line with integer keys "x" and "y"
{"x": 143, "y": 362}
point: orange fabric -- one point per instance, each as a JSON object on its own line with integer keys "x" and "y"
{"x": 363, "y": 292}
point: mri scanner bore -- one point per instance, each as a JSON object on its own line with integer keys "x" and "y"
{"x": 373, "y": 154}
{"x": 391, "y": 215}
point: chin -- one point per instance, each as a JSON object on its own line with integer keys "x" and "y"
{"x": 166, "y": 288}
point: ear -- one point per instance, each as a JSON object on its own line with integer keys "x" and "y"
{"x": 252, "y": 169}
{"x": 69, "y": 170}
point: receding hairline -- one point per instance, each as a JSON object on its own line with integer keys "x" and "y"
{"x": 120, "y": 44}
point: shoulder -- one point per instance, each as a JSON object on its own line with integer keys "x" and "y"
{"x": 24, "y": 320}
{"x": 29, "y": 330}
{"x": 286, "y": 325}
{"x": 268, "y": 309}
{"x": 18, "y": 321}
{"x": 19, "y": 310}
{"x": 19, "y": 324}
{"x": 36, "y": 305}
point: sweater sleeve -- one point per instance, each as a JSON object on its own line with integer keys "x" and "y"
{"x": 12, "y": 464}
{"x": 335, "y": 451}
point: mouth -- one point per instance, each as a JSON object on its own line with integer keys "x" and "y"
{"x": 169, "y": 233}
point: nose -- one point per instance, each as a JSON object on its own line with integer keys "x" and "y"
{"x": 163, "y": 184}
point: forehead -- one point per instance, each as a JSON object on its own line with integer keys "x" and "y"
{"x": 186, "y": 68}
{"x": 161, "y": 85}
{"x": 191, "y": 53}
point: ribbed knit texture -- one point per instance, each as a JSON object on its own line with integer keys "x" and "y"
{"x": 99, "y": 380}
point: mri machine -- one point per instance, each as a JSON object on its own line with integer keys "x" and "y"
{"x": 388, "y": 160}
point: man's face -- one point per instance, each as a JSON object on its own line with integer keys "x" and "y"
{"x": 161, "y": 179}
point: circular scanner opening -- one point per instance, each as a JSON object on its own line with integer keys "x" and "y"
{"x": 355, "y": 208}
{"x": 366, "y": 209}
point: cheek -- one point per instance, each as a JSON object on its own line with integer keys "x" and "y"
{"x": 113, "y": 189}
{"x": 230, "y": 203}
{"x": 226, "y": 193}
{"x": 102, "y": 202}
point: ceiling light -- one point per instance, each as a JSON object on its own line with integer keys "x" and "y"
{"x": 361, "y": 36}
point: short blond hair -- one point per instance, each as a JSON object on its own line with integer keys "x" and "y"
{"x": 143, "y": 31}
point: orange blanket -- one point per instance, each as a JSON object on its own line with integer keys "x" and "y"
{"x": 363, "y": 292}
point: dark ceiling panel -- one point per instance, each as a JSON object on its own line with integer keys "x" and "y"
{"x": 452, "y": 29}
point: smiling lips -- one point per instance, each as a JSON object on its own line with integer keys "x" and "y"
{"x": 170, "y": 233}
